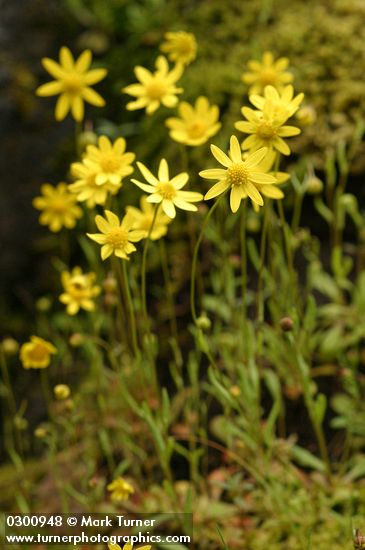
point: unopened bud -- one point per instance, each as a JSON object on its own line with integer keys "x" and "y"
{"x": 286, "y": 324}
{"x": 10, "y": 346}
{"x": 203, "y": 322}
{"x": 61, "y": 392}
{"x": 314, "y": 185}
{"x": 76, "y": 339}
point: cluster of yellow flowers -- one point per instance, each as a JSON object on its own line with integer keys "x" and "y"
{"x": 249, "y": 170}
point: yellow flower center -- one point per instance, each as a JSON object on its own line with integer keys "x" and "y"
{"x": 166, "y": 190}
{"x": 265, "y": 130}
{"x": 109, "y": 163}
{"x": 184, "y": 45}
{"x": 268, "y": 76}
{"x": 145, "y": 223}
{"x": 72, "y": 84}
{"x": 59, "y": 206}
{"x": 196, "y": 129}
{"x": 37, "y": 353}
{"x": 238, "y": 174}
{"x": 156, "y": 89}
{"x": 78, "y": 289}
{"x": 117, "y": 237}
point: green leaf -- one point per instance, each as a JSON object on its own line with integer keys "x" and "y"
{"x": 307, "y": 459}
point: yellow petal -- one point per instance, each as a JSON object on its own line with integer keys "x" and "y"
{"x": 62, "y": 107}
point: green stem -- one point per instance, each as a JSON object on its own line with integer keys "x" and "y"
{"x": 143, "y": 270}
{"x": 170, "y": 297}
{"x": 127, "y": 291}
{"x": 260, "y": 295}
{"x": 243, "y": 259}
{"x": 195, "y": 257}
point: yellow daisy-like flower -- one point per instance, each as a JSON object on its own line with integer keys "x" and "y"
{"x": 37, "y": 353}
{"x": 110, "y": 161}
{"x": 270, "y": 191}
{"x": 155, "y": 88}
{"x": 143, "y": 219}
{"x": 120, "y": 489}
{"x": 72, "y": 80}
{"x": 243, "y": 177}
{"x": 168, "y": 191}
{"x": 58, "y": 205}
{"x": 265, "y": 72}
{"x": 85, "y": 187}
{"x": 267, "y": 128}
{"x": 283, "y": 103}
{"x": 196, "y": 124}
{"x": 128, "y": 546}
{"x": 79, "y": 290}
{"x": 116, "y": 235}
{"x": 180, "y": 47}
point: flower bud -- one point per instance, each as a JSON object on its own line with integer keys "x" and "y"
{"x": 286, "y": 324}
{"x": 110, "y": 284}
{"x": 41, "y": 432}
{"x": 43, "y": 304}
{"x": 76, "y": 339}
{"x": 235, "y": 391}
{"x": 10, "y": 346}
{"x": 61, "y": 392}
{"x": 314, "y": 185}
{"x": 203, "y": 322}
{"x": 306, "y": 115}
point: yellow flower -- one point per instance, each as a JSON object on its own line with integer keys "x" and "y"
{"x": 59, "y": 208}
{"x": 267, "y": 72}
{"x": 166, "y": 191}
{"x": 143, "y": 219}
{"x": 269, "y": 190}
{"x": 72, "y": 81}
{"x": 127, "y": 546}
{"x": 120, "y": 489}
{"x": 155, "y": 88}
{"x": 79, "y": 290}
{"x": 116, "y": 235}
{"x": 36, "y": 354}
{"x": 180, "y": 47}
{"x": 85, "y": 187}
{"x": 282, "y": 103}
{"x": 243, "y": 177}
{"x": 110, "y": 161}
{"x": 195, "y": 125}
{"x": 267, "y": 128}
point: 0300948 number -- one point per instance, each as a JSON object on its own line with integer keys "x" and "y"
{"x": 34, "y": 521}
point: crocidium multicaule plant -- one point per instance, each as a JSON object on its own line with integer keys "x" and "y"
{"x": 37, "y": 353}
{"x": 196, "y": 124}
{"x": 117, "y": 236}
{"x": 282, "y": 102}
{"x": 145, "y": 219}
{"x": 271, "y": 191}
{"x": 180, "y": 47}
{"x": 120, "y": 489}
{"x": 59, "y": 207}
{"x": 155, "y": 88}
{"x": 79, "y": 290}
{"x": 243, "y": 177}
{"x": 167, "y": 192}
{"x": 265, "y": 72}
{"x": 85, "y": 187}
{"x": 110, "y": 160}
{"x": 72, "y": 81}
{"x": 267, "y": 128}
